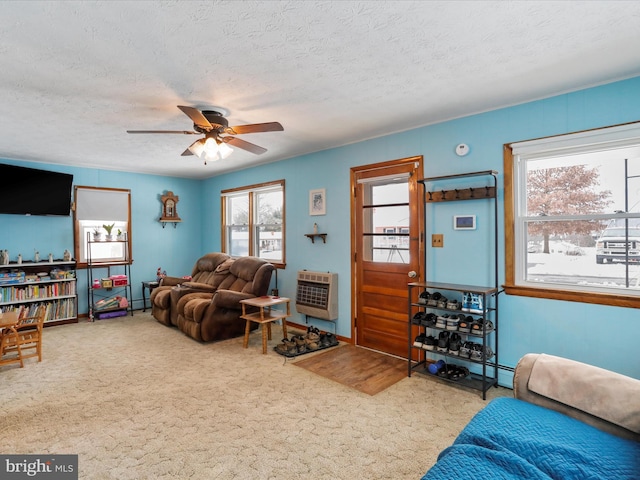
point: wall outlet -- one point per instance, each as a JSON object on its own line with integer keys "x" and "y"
{"x": 437, "y": 240}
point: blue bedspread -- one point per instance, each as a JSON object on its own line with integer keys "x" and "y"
{"x": 512, "y": 439}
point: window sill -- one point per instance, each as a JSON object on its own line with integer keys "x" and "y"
{"x": 571, "y": 296}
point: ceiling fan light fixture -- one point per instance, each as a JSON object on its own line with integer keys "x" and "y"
{"x": 197, "y": 148}
{"x": 224, "y": 150}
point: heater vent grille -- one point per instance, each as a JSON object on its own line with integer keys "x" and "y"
{"x": 316, "y": 294}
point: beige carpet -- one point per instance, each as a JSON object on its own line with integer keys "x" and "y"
{"x": 365, "y": 370}
{"x": 138, "y": 400}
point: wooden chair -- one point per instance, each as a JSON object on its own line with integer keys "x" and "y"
{"x": 23, "y": 340}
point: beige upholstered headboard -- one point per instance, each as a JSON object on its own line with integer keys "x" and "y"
{"x": 606, "y": 400}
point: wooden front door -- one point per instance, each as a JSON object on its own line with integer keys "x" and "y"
{"x": 388, "y": 251}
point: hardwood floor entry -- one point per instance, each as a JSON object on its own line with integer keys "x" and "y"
{"x": 365, "y": 370}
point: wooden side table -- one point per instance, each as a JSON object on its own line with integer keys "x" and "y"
{"x": 265, "y": 316}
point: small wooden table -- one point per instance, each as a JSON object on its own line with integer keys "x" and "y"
{"x": 265, "y": 316}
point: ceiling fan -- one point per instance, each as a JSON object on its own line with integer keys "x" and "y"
{"x": 217, "y": 134}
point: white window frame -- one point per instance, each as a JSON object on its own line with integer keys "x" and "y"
{"x": 516, "y": 156}
{"x": 93, "y": 208}
{"x": 252, "y": 191}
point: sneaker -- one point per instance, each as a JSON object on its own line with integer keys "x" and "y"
{"x": 459, "y": 372}
{"x": 464, "y": 323}
{"x": 480, "y": 324}
{"x": 419, "y": 341}
{"x": 429, "y": 320}
{"x": 424, "y": 297}
{"x": 443, "y": 342}
{"x": 465, "y": 349}
{"x": 454, "y": 344}
{"x": 476, "y": 305}
{"x": 331, "y": 338}
{"x": 441, "y": 321}
{"x": 479, "y": 354}
{"x": 430, "y": 343}
{"x": 432, "y": 301}
{"x": 418, "y": 317}
{"x": 453, "y": 304}
{"x": 466, "y": 301}
{"x": 452, "y": 322}
{"x": 442, "y": 302}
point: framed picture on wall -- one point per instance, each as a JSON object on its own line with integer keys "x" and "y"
{"x": 317, "y": 202}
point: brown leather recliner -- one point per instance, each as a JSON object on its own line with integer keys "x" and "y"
{"x": 218, "y": 317}
{"x": 203, "y": 279}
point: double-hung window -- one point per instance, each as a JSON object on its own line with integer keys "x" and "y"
{"x": 253, "y": 221}
{"x": 94, "y": 208}
{"x": 572, "y": 216}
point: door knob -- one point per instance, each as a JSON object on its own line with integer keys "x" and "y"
{"x": 412, "y": 274}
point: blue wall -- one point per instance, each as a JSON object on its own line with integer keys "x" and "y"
{"x": 172, "y": 249}
{"x": 596, "y": 334}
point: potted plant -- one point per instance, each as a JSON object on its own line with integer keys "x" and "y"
{"x": 120, "y": 235}
{"x": 97, "y": 234}
{"x": 108, "y": 228}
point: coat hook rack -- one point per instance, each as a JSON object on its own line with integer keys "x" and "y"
{"x": 460, "y": 194}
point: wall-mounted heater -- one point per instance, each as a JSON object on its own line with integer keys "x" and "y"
{"x": 317, "y": 294}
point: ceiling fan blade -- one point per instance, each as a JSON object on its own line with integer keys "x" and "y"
{"x": 190, "y": 148}
{"x": 254, "y": 128}
{"x": 198, "y": 118}
{"x": 249, "y": 147}
{"x": 182, "y": 132}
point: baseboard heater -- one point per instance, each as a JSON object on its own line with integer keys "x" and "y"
{"x": 317, "y": 294}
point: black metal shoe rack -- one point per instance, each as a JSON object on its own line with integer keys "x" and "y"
{"x": 483, "y": 373}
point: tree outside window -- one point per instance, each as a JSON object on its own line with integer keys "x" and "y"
{"x": 572, "y": 218}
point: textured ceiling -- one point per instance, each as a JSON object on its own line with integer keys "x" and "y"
{"x": 77, "y": 75}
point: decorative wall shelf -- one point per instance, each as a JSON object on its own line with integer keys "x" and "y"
{"x": 313, "y": 236}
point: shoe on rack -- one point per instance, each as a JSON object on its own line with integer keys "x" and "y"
{"x": 452, "y": 322}
{"x": 430, "y": 343}
{"x": 424, "y": 297}
{"x": 476, "y": 305}
{"x": 453, "y": 304}
{"x": 454, "y": 344}
{"x": 443, "y": 342}
{"x": 419, "y": 341}
{"x": 480, "y": 353}
{"x": 466, "y": 301}
{"x": 481, "y": 325}
{"x": 476, "y": 352}
{"x": 442, "y": 302}
{"x": 441, "y": 321}
{"x": 430, "y": 320}
{"x": 465, "y": 349}
{"x": 459, "y": 372}
{"x": 464, "y": 323}
{"x": 432, "y": 301}
{"x": 418, "y": 317}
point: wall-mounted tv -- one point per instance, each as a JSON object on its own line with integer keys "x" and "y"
{"x": 29, "y": 191}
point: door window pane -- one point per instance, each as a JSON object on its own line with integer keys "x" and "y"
{"x": 386, "y": 222}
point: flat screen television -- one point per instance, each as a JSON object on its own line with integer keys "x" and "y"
{"x": 29, "y": 191}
